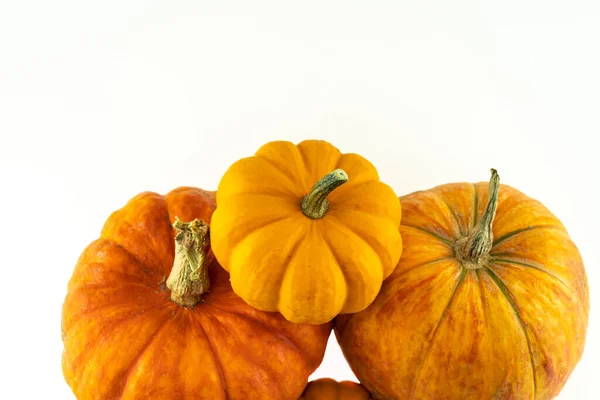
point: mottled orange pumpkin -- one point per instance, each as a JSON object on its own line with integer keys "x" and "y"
{"x": 489, "y": 301}
{"x": 306, "y": 230}
{"x": 329, "y": 389}
{"x": 149, "y": 314}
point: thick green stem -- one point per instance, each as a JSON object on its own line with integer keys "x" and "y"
{"x": 479, "y": 243}
{"x": 315, "y": 204}
{"x": 189, "y": 280}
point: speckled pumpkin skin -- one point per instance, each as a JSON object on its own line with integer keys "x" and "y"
{"x": 329, "y": 389}
{"x": 125, "y": 339}
{"x": 439, "y": 331}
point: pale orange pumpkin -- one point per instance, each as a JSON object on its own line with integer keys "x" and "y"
{"x": 489, "y": 301}
{"x": 150, "y": 314}
{"x": 308, "y": 250}
{"x": 329, "y": 389}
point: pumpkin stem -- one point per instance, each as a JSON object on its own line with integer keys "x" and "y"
{"x": 479, "y": 242}
{"x": 189, "y": 280}
{"x": 315, "y": 204}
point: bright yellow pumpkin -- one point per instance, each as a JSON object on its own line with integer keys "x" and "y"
{"x": 306, "y": 230}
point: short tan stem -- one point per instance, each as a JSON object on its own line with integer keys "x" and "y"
{"x": 480, "y": 240}
{"x": 189, "y": 280}
{"x": 315, "y": 204}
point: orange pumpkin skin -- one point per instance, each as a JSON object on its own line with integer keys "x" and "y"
{"x": 512, "y": 330}
{"x": 329, "y": 389}
{"x": 125, "y": 339}
{"x": 306, "y": 261}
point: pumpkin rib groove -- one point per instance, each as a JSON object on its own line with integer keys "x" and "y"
{"x": 337, "y": 262}
{"x": 393, "y": 278}
{"x": 522, "y": 230}
{"x": 387, "y": 283}
{"x": 266, "y": 327}
{"x": 103, "y": 241}
{"x": 341, "y": 225}
{"x": 136, "y": 359}
{"x": 154, "y": 256}
{"x": 279, "y": 196}
{"x": 258, "y": 228}
{"x": 276, "y": 167}
{"x": 303, "y": 158}
{"x": 349, "y": 186}
{"x": 507, "y": 294}
{"x": 215, "y": 355}
{"x": 84, "y": 286}
{"x": 120, "y": 246}
{"x": 529, "y": 265}
{"x": 268, "y": 370}
{"x": 439, "y": 196}
{"x": 476, "y": 203}
{"x": 118, "y": 317}
{"x": 286, "y": 270}
{"x": 121, "y": 318}
{"x": 98, "y": 312}
{"x": 447, "y": 242}
{"x": 461, "y": 278}
{"x": 482, "y": 297}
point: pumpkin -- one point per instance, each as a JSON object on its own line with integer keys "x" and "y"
{"x": 490, "y": 300}
{"x": 305, "y": 230}
{"x": 329, "y": 389}
{"x": 150, "y": 314}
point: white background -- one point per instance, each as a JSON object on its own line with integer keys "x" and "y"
{"x": 102, "y": 100}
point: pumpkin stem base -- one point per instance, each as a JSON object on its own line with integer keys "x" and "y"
{"x": 473, "y": 250}
{"x": 315, "y": 204}
{"x": 189, "y": 279}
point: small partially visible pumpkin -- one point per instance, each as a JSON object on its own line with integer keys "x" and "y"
{"x": 149, "y": 314}
{"x": 329, "y": 389}
{"x": 306, "y": 231}
{"x": 489, "y": 301}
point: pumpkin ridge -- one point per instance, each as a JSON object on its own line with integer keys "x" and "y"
{"x": 257, "y": 228}
{"x": 157, "y": 266}
{"x": 439, "y": 196}
{"x": 306, "y": 164}
{"x": 507, "y": 294}
{"x": 260, "y": 323}
{"x": 217, "y": 361}
{"x": 122, "y": 318}
{"x": 293, "y": 250}
{"x": 461, "y": 278}
{"x": 286, "y": 269}
{"x": 361, "y": 236}
{"x": 356, "y": 211}
{"x": 241, "y": 234}
{"x": 440, "y": 238}
{"x": 290, "y": 179}
{"x": 522, "y": 230}
{"x": 337, "y": 263}
{"x": 305, "y": 167}
{"x": 119, "y": 317}
{"x": 136, "y": 359}
{"x": 100, "y": 310}
{"x": 84, "y": 261}
{"x": 279, "y": 196}
{"x": 530, "y": 265}
{"x": 392, "y": 278}
{"x": 266, "y": 367}
{"x": 481, "y": 296}
{"x": 395, "y": 296}
{"x": 85, "y": 286}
